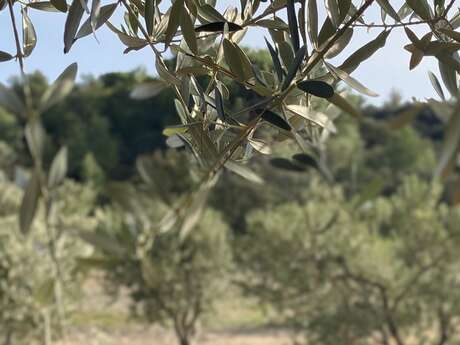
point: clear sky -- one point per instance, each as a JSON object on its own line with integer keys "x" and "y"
{"x": 386, "y": 70}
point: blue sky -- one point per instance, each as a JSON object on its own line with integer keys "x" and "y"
{"x": 385, "y": 71}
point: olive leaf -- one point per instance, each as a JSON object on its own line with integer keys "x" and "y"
{"x": 312, "y": 22}
{"x": 60, "y": 88}
{"x": 344, "y": 105}
{"x": 29, "y": 37}
{"x": 174, "y": 19}
{"x": 149, "y": 15}
{"x": 218, "y": 27}
{"x": 10, "y": 101}
{"x": 148, "y": 89}
{"x": 58, "y": 169}
{"x": 350, "y": 81}
{"x": 243, "y": 171}
{"x": 35, "y": 138}
{"x": 305, "y": 159}
{"x": 60, "y": 5}
{"x": 293, "y": 27}
{"x": 4, "y": 56}
{"x": 316, "y": 88}
{"x": 274, "y": 119}
{"x": 72, "y": 23}
{"x": 365, "y": 52}
{"x": 46, "y": 6}
{"x": 420, "y": 7}
{"x": 276, "y": 61}
{"x": 332, "y": 8}
{"x": 87, "y": 27}
{"x": 436, "y": 85}
{"x": 295, "y": 66}
{"x": 29, "y": 204}
{"x": 237, "y": 60}
{"x": 219, "y": 103}
{"x": 188, "y": 32}
{"x": 451, "y": 141}
{"x": 286, "y": 164}
{"x": 386, "y": 6}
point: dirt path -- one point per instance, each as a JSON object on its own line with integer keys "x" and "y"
{"x": 161, "y": 337}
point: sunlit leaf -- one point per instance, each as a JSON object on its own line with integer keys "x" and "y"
{"x": 344, "y": 105}
{"x": 316, "y": 117}
{"x": 147, "y": 89}
{"x": 243, "y": 171}
{"x": 260, "y": 146}
{"x": 350, "y": 81}
{"x": 29, "y": 37}
{"x": 58, "y": 169}
{"x": 60, "y": 88}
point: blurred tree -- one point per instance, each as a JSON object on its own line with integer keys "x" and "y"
{"x": 380, "y": 272}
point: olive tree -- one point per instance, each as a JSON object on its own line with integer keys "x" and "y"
{"x": 383, "y": 271}
{"x": 173, "y": 280}
{"x": 206, "y": 43}
{"x": 28, "y": 308}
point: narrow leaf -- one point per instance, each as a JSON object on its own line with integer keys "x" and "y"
{"x": 104, "y": 15}
{"x": 58, "y": 169}
{"x": 71, "y": 25}
{"x": 4, "y": 56}
{"x": 316, "y": 88}
{"x": 293, "y": 27}
{"x": 275, "y": 120}
{"x": 177, "y": 10}
{"x": 294, "y": 68}
{"x": 344, "y": 105}
{"x": 60, "y": 88}
{"x": 29, "y": 204}
{"x": 147, "y": 89}
{"x": 218, "y": 27}
{"x": 29, "y": 37}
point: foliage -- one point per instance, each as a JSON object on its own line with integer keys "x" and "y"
{"x": 380, "y": 272}
{"x": 27, "y": 285}
{"x": 283, "y": 93}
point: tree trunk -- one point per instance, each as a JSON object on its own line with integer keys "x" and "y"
{"x": 8, "y": 338}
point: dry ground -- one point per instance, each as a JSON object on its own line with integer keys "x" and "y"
{"x": 100, "y": 321}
